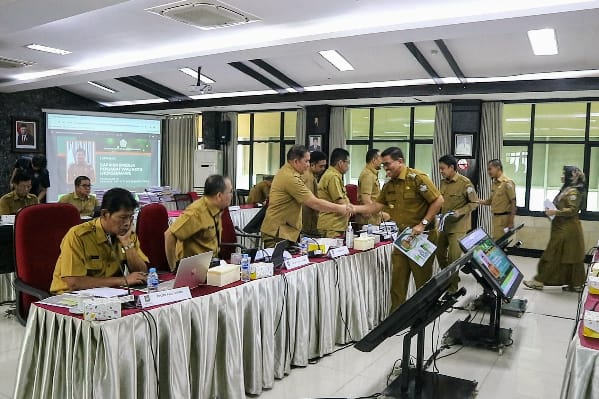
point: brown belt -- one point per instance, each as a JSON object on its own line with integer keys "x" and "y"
{"x": 502, "y": 214}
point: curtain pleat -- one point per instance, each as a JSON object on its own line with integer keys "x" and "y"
{"x": 337, "y": 131}
{"x": 178, "y": 146}
{"x": 442, "y": 137}
{"x": 300, "y": 127}
{"x": 490, "y": 148}
{"x": 231, "y": 148}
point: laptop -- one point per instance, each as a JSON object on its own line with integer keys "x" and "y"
{"x": 192, "y": 272}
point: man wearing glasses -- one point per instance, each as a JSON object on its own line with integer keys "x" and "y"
{"x": 81, "y": 197}
{"x": 332, "y": 189}
{"x": 412, "y": 200}
{"x": 93, "y": 254}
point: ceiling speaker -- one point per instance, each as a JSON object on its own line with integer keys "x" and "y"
{"x": 205, "y": 15}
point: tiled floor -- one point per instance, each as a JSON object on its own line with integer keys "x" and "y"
{"x": 531, "y": 368}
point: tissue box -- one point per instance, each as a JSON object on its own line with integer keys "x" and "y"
{"x": 595, "y": 269}
{"x": 261, "y": 270}
{"x": 593, "y": 283}
{"x": 101, "y": 309}
{"x": 363, "y": 243}
{"x": 591, "y": 324}
{"x": 222, "y": 275}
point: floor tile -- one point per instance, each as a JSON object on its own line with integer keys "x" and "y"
{"x": 8, "y": 362}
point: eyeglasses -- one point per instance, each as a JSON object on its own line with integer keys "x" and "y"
{"x": 85, "y": 185}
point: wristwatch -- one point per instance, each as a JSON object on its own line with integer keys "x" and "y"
{"x": 424, "y": 222}
{"x": 128, "y": 246}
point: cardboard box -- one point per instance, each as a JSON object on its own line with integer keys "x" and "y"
{"x": 591, "y": 324}
{"x": 363, "y": 243}
{"x": 101, "y": 308}
{"x": 220, "y": 276}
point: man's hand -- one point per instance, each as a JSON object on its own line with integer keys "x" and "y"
{"x": 125, "y": 239}
{"x": 550, "y": 212}
{"x": 386, "y": 216}
{"x": 418, "y": 229}
{"x": 136, "y": 278}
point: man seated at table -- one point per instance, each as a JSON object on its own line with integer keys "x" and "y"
{"x": 20, "y": 196}
{"x": 198, "y": 229}
{"x": 259, "y": 193}
{"x": 81, "y": 197}
{"x": 93, "y": 253}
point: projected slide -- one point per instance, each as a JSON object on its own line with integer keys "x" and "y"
{"x": 112, "y": 150}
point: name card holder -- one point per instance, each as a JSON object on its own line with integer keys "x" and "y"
{"x": 162, "y": 297}
{"x": 296, "y": 262}
{"x": 337, "y": 252}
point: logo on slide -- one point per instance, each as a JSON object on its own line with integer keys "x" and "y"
{"x": 123, "y": 143}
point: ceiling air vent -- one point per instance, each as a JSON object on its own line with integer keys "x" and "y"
{"x": 8, "y": 63}
{"x": 204, "y": 14}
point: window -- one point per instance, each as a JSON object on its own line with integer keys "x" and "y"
{"x": 539, "y": 139}
{"x": 409, "y": 128}
{"x": 263, "y": 140}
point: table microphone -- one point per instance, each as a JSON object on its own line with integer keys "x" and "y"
{"x": 131, "y": 303}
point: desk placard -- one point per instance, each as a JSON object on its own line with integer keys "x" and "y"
{"x": 162, "y": 297}
{"x": 337, "y": 252}
{"x": 299, "y": 261}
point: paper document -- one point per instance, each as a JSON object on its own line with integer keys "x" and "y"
{"x": 64, "y": 300}
{"x": 416, "y": 247}
{"x": 549, "y": 205}
{"x": 103, "y": 292}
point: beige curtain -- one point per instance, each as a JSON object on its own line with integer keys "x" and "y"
{"x": 490, "y": 148}
{"x": 442, "y": 137}
{"x": 300, "y": 127}
{"x": 230, "y": 150}
{"x": 178, "y": 146}
{"x": 337, "y": 132}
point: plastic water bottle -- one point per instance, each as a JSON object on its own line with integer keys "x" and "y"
{"x": 369, "y": 229}
{"x": 349, "y": 236}
{"x": 152, "y": 280}
{"x": 304, "y": 246}
{"x": 245, "y": 268}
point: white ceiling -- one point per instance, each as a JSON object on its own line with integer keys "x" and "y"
{"x": 111, "y": 39}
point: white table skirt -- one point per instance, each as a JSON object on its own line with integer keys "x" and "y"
{"x": 7, "y": 292}
{"x": 221, "y": 345}
{"x": 581, "y": 378}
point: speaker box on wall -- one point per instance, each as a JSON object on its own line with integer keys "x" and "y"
{"x": 224, "y": 132}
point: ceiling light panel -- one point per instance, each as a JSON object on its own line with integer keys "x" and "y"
{"x": 102, "y": 87}
{"x": 337, "y": 60}
{"x": 543, "y": 41}
{"x": 47, "y": 49}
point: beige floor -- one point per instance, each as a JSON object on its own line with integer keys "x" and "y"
{"x": 531, "y": 368}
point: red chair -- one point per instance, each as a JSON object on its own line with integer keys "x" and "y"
{"x": 39, "y": 230}
{"x": 152, "y": 222}
{"x": 352, "y": 193}
{"x": 194, "y": 196}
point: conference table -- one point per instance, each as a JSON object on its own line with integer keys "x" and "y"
{"x": 581, "y": 377}
{"x": 223, "y": 343}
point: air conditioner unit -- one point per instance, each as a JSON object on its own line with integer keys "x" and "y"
{"x": 204, "y": 14}
{"x": 10, "y": 63}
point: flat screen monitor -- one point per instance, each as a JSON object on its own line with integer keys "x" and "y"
{"x": 415, "y": 309}
{"x": 492, "y": 263}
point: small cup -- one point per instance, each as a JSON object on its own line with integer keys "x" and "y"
{"x": 236, "y": 258}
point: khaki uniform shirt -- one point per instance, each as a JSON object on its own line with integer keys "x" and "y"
{"x": 85, "y": 206}
{"x": 407, "y": 197}
{"x": 460, "y": 197}
{"x": 11, "y": 203}
{"x": 198, "y": 229}
{"x": 86, "y": 250}
{"x": 368, "y": 184}
{"x": 284, "y": 214}
{"x": 503, "y": 192}
{"x": 259, "y": 193}
{"x": 309, "y": 215}
{"x": 75, "y": 170}
{"x": 332, "y": 189}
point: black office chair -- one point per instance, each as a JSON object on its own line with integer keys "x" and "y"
{"x": 241, "y": 196}
{"x": 182, "y": 201}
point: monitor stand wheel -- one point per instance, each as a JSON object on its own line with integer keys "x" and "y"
{"x": 431, "y": 385}
{"x": 478, "y": 335}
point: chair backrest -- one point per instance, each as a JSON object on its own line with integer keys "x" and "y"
{"x": 182, "y": 201}
{"x": 152, "y": 222}
{"x": 241, "y": 196}
{"x": 352, "y": 193}
{"x": 194, "y": 196}
{"x": 228, "y": 235}
{"x": 39, "y": 230}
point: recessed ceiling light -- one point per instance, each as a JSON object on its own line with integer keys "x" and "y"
{"x": 194, "y": 74}
{"x": 337, "y": 60}
{"x": 101, "y": 86}
{"x": 543, "y": 41}
{"x": 47, "y": 49}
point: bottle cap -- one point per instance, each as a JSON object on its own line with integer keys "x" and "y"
{"x": 152, "y": 270}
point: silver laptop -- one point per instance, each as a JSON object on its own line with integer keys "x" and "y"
{"x": 192, "y": 272}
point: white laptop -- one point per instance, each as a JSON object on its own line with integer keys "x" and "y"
{"x": 192, "y": 272}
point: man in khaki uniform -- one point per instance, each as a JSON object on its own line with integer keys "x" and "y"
{"x": 80, "y": 167}
{"x": 413, "y": 201}
{"x": 198, "y": 229}
{"x": 81, "y": 197}
{"x": 283, "y": 220}
{"x": 502, "y": 199}
{"x": 369, "y": 187}
{"x": 318, "y": 162}
{"x": 259, "y": 193}
{"x": 460, "y": 198}
{"x": 332, "y": 189}
{"x": 91, "y": 253}
{"x": 18, "y": 198}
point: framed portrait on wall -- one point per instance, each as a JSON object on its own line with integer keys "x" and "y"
{"x": 464, "y": 144}
{"x": 315, "y": 142}
{"x": 24, "y": 134}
